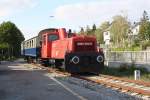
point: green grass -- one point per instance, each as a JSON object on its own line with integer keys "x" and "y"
{"x": 127, "y": 72}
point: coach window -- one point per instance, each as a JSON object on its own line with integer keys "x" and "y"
{"x": 53, "y": 37}
{"x": 27, "y": 44}
{"x": 32, "y": 43}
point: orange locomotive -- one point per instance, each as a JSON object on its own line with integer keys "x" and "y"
{"x": 75, "y": 53}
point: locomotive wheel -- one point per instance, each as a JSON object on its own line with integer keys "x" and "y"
{"x": 60, "y": 64}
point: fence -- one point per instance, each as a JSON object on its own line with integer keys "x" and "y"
{"x": 139, "y": 58}
{"x": 128, "y": 56}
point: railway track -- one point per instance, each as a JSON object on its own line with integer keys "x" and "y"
{"x": 134, "y": 87}
{"x": 121, "y": 84}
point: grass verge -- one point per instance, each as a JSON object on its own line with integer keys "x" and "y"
{"x": 127, "y": 72}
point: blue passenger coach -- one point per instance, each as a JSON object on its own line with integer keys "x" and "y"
{"x": 30, "y": 48}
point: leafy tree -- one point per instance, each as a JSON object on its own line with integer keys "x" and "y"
{"x": 144, "y": 33}
{"x": 82, "y": 31}
{"x": 11, "y": 35}
{"x": 119, "y": 29}
{"x": 100, "y": 30}
{"x": 88, "y": 30}
{"x": 99, "y": 35}
{"x": 147, "y": 35}
{"x": 94, "y": 27}
{"x": 104, "y": 25}
{"x": 4, "y": 45}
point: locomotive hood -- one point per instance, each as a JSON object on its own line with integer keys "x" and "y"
{"x": 83, "y": 43}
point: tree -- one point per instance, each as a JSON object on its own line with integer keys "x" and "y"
{"x": 11, "y": 35}
{"x": 100, "y": 30}
{"x": 147, "y": 34}
{"x": 82, "y": 31}
{"x": 88, "y": 30}
{"x": 144, "y": 32}
{"x": 91, "y": 31}
{"x": 4, "y": 45}
{"x": 104, "y": 25}
{"x": 119, "y": 29}
{"x": 99, "y": 35}
{"x": 94, "y": 27}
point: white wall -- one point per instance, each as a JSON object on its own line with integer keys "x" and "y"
{"x": 139, "y": 58}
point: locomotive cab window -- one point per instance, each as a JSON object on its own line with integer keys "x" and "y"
{"x": 53, "y": 37}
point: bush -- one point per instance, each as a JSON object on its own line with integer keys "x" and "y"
{"x": 123, "y": 67}
{"x": 110, "y": 71}
{"x": 124, "y": 70}
{"x": 145, "y": 44}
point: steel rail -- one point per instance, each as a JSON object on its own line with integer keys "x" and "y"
{"x": 128, "y": 88}
{"x": 139, "y": 82}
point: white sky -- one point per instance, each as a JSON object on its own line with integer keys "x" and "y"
{"x": 33, "y": 15}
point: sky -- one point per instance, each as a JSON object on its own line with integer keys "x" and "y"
{"x": 31, "y": 16}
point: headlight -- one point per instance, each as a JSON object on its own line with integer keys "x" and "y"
{"x": 100, "y": 59}
{"x": 75, "y": 60}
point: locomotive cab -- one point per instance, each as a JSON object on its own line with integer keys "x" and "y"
{"x": 47, "y": 38}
